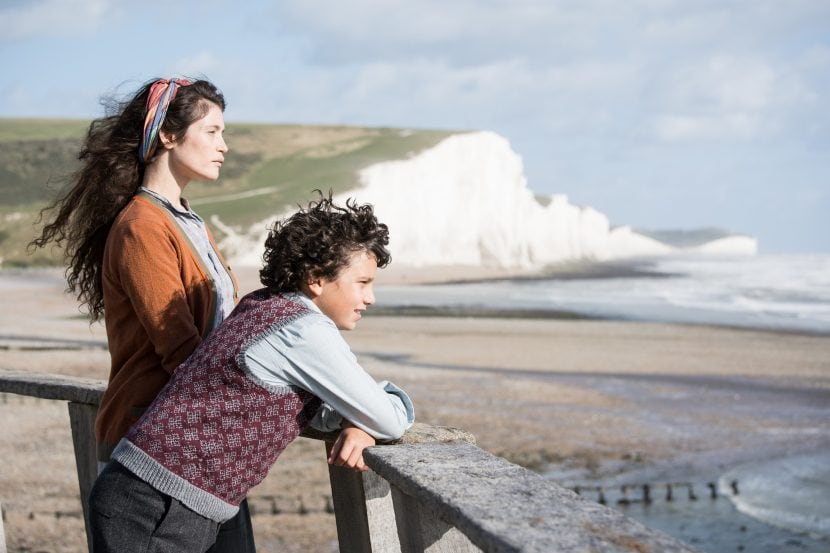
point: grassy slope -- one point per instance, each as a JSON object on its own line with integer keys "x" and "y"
{"x": 269, "y": 167}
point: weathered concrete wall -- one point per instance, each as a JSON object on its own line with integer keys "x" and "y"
{"x": 501, "y": 507}
{"x": 433, "y": 491}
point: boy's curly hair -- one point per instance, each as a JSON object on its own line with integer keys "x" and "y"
{"x": 318, "y": 242}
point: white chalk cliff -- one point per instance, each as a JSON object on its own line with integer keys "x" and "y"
{"x": 466, "y": 202}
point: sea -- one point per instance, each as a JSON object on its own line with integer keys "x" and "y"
{"x": 784, "y": 504}
{"x": 777, "y": 505}
{"x": 773, "y": 292}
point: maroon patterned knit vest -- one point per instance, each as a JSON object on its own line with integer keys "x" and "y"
{"x": 213, "y": 425}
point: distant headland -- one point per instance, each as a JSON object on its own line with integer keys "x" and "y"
{"x": 450, "y": 198}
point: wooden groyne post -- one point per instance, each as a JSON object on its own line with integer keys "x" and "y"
{"x": 432, "y": 491}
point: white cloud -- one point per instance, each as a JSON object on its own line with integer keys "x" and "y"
{"x": 462, "y": 31}
{"x": 434, "y": 93}
{"x": 53, "y": 18}
{"x": 816, "y": 58}
{"x": 693, "y": 27}
{"x": 401, "y": 21}
{"x": 198, "y": 64}
{"x": 722, "y": 97}
{"x": 678, "y": 127}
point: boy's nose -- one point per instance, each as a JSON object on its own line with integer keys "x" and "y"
{"x": 369, "y": 297}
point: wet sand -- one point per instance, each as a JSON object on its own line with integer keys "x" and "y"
{"x": 586, "y": 400}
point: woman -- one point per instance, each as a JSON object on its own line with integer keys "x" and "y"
{"x": 139, "y": 257}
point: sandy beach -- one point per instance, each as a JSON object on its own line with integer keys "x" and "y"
{"x": 585, "y": 400}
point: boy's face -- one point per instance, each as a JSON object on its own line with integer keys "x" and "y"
{"x": 343, "y": 299}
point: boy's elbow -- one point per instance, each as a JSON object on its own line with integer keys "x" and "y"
{"x": 394, "y": 430}
{"x": 390, "y": 435}
{"x": 399, "y": 431}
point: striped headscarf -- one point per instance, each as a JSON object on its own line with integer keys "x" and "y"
{"x": 162, "y": 93}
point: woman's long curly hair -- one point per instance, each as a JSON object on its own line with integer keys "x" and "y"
{"x": 81, "y": 216}
{"x": 319, "y": 241}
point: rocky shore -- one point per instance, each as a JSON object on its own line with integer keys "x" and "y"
{"x": 583, "y": 399}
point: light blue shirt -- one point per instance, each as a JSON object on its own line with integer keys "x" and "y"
{"x": 311, "y": 354}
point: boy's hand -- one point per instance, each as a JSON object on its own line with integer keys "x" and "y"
{"x": 347, "y": 450}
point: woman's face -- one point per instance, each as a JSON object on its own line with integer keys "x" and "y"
{"x": 201, "y": 152}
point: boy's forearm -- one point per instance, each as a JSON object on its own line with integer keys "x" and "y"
{"x": 388, "y": 428}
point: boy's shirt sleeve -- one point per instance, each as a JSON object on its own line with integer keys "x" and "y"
{"x": 311, "y": 354}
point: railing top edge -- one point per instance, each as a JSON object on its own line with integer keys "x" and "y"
{"x": 52, "y": 386}
{"x": 89, "y": 390}
{"x": 500, "y": 506}
{"x": 419, "y": 433}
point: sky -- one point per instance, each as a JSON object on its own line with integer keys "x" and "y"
{"x": 662, "y": 114}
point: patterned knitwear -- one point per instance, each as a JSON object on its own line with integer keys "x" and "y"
{"x": 215, "y": 430}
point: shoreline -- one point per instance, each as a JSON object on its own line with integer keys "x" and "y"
{"x": 479, "y": 312}
{"x": 462, "y": 311}
{"x": 606, "y": 398}
{"x": 475, "y": 312}
{"x": 566, "y": 270}
{"x": 247, "y": 278}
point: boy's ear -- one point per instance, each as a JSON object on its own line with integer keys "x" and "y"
{"x": 314, "y": 285}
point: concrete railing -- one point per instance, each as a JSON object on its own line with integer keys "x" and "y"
{"x": 432, "y": 491}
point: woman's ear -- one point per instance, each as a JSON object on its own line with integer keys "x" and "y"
{"x": 167, "y": 140}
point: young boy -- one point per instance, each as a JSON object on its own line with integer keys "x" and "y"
{"x": 276, "y": 365}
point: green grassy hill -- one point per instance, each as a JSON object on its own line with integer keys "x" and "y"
{"x": 268, "y": 168}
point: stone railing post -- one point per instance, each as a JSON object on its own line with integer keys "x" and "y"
{"x": 2, "y": 531}
{"x": 83, "y": 396}
{"x": 82, "y": 421}
{"x": 368, "y": 510}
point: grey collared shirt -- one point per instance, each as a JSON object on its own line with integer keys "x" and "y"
{"x": 195, "y": 229}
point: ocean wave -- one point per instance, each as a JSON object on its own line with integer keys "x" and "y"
{"x": 791, "y": 492}
{"x": 781, "y": 292}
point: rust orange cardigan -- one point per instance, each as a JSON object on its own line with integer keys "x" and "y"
{"x": 159, "y": 303}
